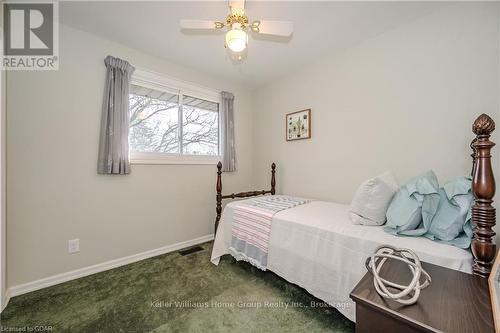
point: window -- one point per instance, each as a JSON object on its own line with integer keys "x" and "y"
{"x": 172, "y": 123}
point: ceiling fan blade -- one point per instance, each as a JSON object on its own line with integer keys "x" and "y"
{"x": 237, "y": 5}
{"x": 198, "y": 24}
{"x": 277, "y": 28}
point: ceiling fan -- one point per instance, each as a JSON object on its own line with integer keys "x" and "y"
{"x": 237, "y": 25}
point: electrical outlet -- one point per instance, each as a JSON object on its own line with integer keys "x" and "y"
{"x": 74, "y": 245}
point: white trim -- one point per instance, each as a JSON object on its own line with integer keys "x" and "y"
{"x": 5, "y": 300}
{"x": 180, "y": 124}
{"x": 86, "y": 271}
{"x": 180, "y": 159}
{"x": 159, "y": 81}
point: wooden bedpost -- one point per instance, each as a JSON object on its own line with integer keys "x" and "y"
{"x": 218, "y": 188}
{"x": 483, "y": 188}
{"x": 273, "y": 179}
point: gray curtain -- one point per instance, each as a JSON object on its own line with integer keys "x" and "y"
{"x": 227, "y": 132}
{"x": 113, "y": 142}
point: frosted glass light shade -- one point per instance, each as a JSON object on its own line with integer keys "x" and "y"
{"x": 236, "y": 40}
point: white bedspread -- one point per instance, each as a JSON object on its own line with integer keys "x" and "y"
{"x": 316, "y": 247}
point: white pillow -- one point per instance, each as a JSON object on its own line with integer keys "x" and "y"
{"x": 371, "y": 200}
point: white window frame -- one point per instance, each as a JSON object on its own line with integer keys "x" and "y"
{"x": 161, "y": 82}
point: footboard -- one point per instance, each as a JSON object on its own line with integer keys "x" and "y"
{"x": 248, "y": 194}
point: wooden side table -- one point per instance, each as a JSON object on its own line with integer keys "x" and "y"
{"x": 454, "y": 302}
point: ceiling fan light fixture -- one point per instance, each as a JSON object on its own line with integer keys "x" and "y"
{"x": 236, "y": 40}
{"x": 238, "y": 27}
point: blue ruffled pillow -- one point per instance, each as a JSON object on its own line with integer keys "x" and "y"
{"x": 414, "y": 205}
{"x": 452, "y": 222}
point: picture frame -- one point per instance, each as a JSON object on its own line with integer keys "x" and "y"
{"x": 298, "y": 125}
{"x": 494, "y": 286}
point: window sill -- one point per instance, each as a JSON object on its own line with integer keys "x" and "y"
{"x": 158, "y": 159}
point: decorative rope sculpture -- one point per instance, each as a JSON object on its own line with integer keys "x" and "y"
{"x": 408, "y": 294}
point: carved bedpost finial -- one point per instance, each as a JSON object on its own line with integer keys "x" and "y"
{"x": 483, "y": 125}
{"x": 273, "y": 179}
{"x": 483, "y": 187}
{"x": 218, "y": 188}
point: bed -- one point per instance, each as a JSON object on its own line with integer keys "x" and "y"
{"x": 315, "y": 245}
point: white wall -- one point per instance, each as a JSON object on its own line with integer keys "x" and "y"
{"x": 404, "y": 100}
{"x": 54, "y": 191}
{"x": 496, "y": 169}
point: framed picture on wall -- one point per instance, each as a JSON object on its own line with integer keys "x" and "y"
{"x": 298, "y": 125}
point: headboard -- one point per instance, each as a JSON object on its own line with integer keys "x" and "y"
{"x": 483, "y": 188}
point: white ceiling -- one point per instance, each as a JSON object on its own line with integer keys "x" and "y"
{"x": 320, "y": 29}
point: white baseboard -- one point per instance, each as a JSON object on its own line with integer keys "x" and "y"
{"x": 72, "y": 275}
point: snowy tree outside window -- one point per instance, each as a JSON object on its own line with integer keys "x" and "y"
{"x": 170, "y": 123}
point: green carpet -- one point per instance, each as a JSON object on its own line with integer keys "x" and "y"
{"x": 174, "y": 293}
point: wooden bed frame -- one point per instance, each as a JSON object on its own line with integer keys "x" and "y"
{"x": 483, "y": 188}
{"x": 248, "y": 194}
